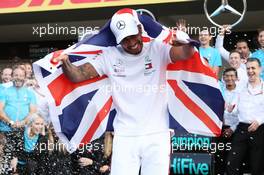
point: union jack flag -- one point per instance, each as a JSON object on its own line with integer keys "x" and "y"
{"x": 81, "y": 112}
{"x": 195, "y": 102}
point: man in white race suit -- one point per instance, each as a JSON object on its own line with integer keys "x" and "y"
{"x": 137, "y": 73}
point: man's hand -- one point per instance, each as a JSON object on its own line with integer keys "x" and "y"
{"x": 11, "y": 123}
{"x": 62, "y": 57}
{"x": 229, "y": 107}
{"x": 83, "y": 161}
{"x": 181, "y": 25}
{"x": 104, "y": 168}
{"x": 179, "y": 37}
{"x": 253, "y": 127}
{"x": 19, "y": 124}
{"x": 224, "y": 29}
{"x": 228, "y": 132}
{"x": 13, "y": 164}
{"x": 181, "y": 52}
{"x": 108, "y": 144}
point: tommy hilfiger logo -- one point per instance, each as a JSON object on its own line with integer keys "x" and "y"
{"x": 148, "y": 63}
{"x": 148, "y": 66}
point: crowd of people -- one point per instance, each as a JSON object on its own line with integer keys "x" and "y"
{"x": 25, "y": 123}
{"x": 28, "y": 143}
{"x": 242, "y": 88}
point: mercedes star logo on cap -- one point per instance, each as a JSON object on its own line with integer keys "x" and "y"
{"x": 120, "y": 25}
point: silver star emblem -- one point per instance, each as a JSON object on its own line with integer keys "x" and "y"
{"x": 120, "y": 25}
{"x": 225, "y": 7}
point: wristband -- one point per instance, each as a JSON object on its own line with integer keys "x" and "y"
{"x": 11, "y": 122}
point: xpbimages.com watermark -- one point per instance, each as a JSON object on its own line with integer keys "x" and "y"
{"x": 55, "y": 29}
{"x": 180, "y": 143}
{"x": 196, "y": 30}
{"x": 49, "y": 146}
{"x": 139, "y": 89}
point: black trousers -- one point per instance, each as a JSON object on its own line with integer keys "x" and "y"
{"x": 246, "y": 142}
{"x": 221, "y": 155}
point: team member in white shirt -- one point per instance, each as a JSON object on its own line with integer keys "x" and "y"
{"x": 230, "y": 94}
{"x": 236, "y": 63}
{"x": 249, "y": 135}
{"x": 137, "y": 73}
{"x": 231, "y": 98}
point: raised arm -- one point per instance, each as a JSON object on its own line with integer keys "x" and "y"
{"x": 219, "y": 43}
{"x": 180, "y": 48}
{"x": 181, "y": 52}
{"x": 77, "y": 73}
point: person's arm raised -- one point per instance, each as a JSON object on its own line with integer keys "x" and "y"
{"x": 219, "y": 42}
{"x": 181, "y": 52}
{"x": 181, "y": 47}
{"x": 77, "y": 73}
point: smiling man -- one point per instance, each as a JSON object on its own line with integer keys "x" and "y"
{"x": 208, "y": 52}
{"x": 17, "y": 103}
{"x": 249, "y": 135}
{"x": 230, "y": 93}
{"x": 241, "y": 45}
{"x": 259, "y": 54}
{"x": 141, "y": 131}
{"x": 6, "y": 75}
{"x": 236, "y": 63}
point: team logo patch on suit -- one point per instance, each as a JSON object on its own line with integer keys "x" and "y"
{"x": 119, "y": 68}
